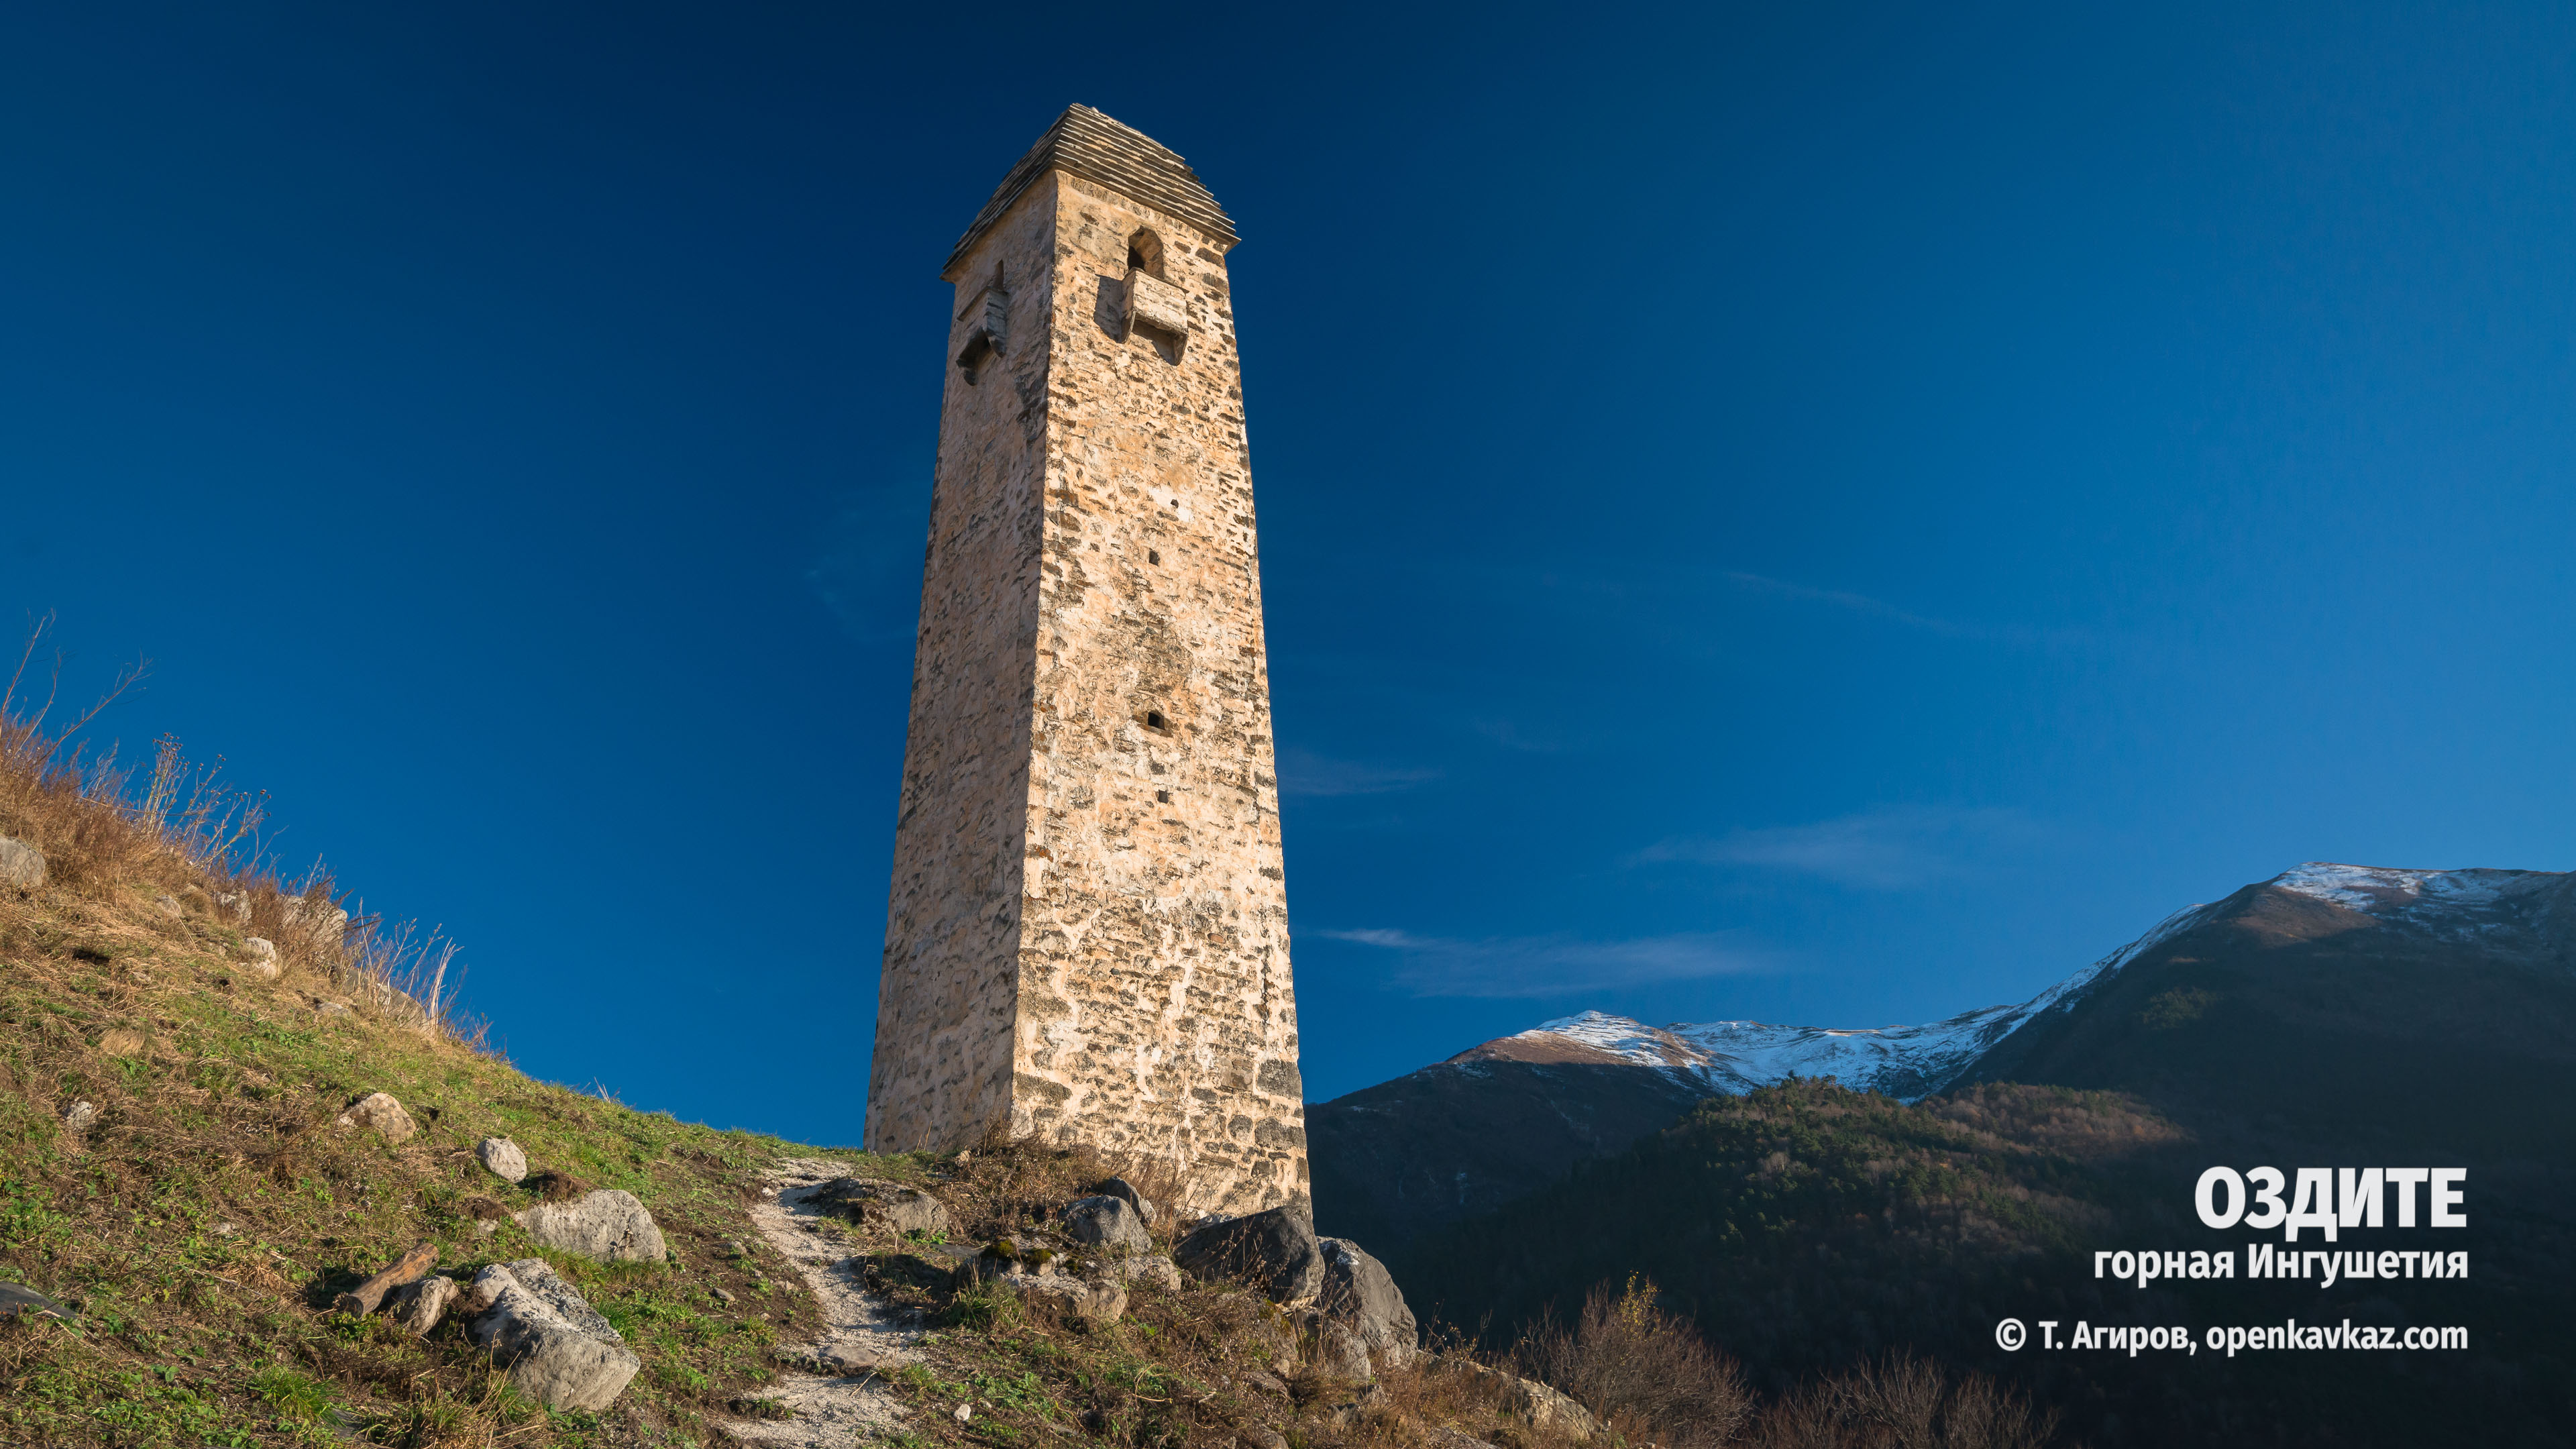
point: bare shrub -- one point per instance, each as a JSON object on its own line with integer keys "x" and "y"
{"x": 1646, "y": 1373}
{"x": 1902, "y": 1402}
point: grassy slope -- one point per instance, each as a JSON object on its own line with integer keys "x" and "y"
{"x": 213, "y": 1211}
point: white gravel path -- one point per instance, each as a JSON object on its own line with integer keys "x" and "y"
{"x": 831, "y": 1411}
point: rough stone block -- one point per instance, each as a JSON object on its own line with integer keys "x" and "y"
{"x": 609, "y": 1225}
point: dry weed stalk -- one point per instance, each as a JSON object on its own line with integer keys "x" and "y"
{"x": 189, "y": 832}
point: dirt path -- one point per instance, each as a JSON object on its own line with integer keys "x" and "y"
{"x": 832, "y": 1410}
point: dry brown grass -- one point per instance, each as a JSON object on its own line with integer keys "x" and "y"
{"x": 1903, "y": 1402}
{"x": 1647, "y": 1374}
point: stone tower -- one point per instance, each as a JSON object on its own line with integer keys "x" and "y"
{"x": 1087, "y": 937}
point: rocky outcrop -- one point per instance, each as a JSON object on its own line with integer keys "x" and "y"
{"x": 1358, "y": 1293}
{"x": 1273, "y": 1252}
{"x": 609, "y": 1225}
{"x": 559, "y": 1351}
{"x": 260, "y": 957}
{"x": 1111, "y": 1223}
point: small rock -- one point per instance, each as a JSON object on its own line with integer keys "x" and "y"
{"x": 502, "y": 1158}
{"x": 1122, "y": 1189}
{"x": 1273, "y": 1251}
{"x": 419, "y": 1306}
{"x": 21, "y": 865}
{"x": 1004, "y": 1258}
{"x": 122, "y": 1043}
{"x": 167, "y": 905}
{"x": 235, "y": 904}
{"x": 78, "y": 1116}
{"x": 561, "y": 1361}
{"x": 1260, "y": 1382}
{"x": 226, "y": 1230}
{"x": 609, "y": 1225}
{"x": 379, "y": 1111}
{"x": 324, "y": 915}
{"x": 1111, "y": 1222}
{"x": 1543, "y": 1406}
{"x": 486, "y": 1229}
{"x": 721, "y": 1295}
{"x": 1069, "y": 1297}
{"x": 17, "y": 1298}
{"x": 965, "y": 1413}
{"x": 1262, "y": 1438}
{"x": 888, "y": 1205}
{"x": 1157, "y": 1270}
{"x": 326, "y": 1007}
{"x": 845, "y": 1358}
{"x": 263, "y": 957}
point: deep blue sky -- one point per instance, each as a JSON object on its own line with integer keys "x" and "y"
{"x": 1835, "y": 514}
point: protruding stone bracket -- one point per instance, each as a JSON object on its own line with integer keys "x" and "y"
{"x": 987, "y": 320}
{"x": 1157, "y": 305}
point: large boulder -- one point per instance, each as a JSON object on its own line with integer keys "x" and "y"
{"x": 609, "y": 1225}
{"x": 21, "y": 865}
{"x": 1358, "y": 1292}
{"x": 559, "y": 1351}
{"x": 877, "y": 1204}
{"x": 1273, "y": 1252}
{"x": 1108, "y": 1222}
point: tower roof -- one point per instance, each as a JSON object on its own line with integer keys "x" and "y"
{"x": 1092, "y": 146}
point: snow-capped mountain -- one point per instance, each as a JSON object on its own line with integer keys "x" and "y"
{"x": 2325, "y": 965}
{"x": 2463, "y": 906}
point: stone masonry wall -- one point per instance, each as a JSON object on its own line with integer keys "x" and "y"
{"x": 1150, "y": 1011}
{"x": 945, "y": 1005}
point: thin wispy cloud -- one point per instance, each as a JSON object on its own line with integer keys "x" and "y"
{"x": 1870, "y": 608}
{"x": 1535, "y": 966}
{"x": 1902, "y": 848}
{"x": 1306, "y": 773}
{"x": 1519, "y": 738}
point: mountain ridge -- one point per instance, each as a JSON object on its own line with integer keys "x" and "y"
{"x": 1505, "y": 1115}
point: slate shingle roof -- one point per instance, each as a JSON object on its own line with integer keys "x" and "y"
{"x": 1092, "y": 146}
